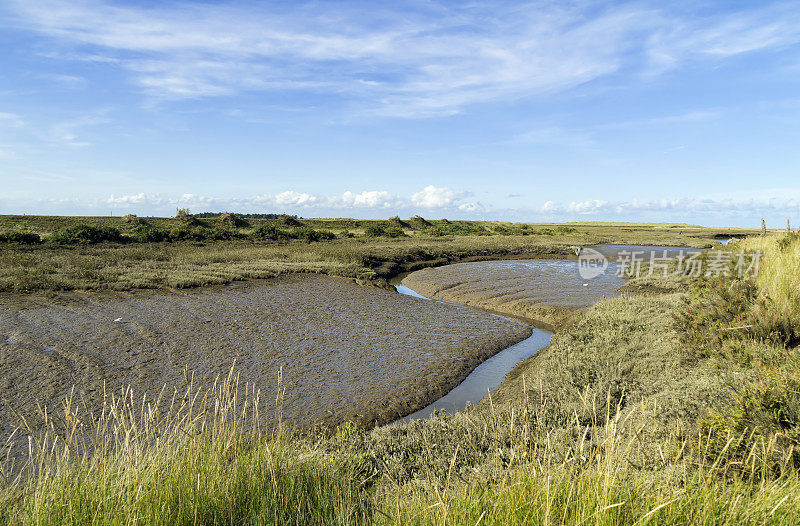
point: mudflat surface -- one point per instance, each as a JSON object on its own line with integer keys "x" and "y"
{"x": 345, "y": 352}
{"x": 540, "y": 289}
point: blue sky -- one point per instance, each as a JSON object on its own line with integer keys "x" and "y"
{"x": 624, "y": 111}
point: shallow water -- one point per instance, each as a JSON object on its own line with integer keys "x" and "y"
{"x": 536, "y": 281}
{"x": 487, "y": 376}
{"x": 615, "y": 252}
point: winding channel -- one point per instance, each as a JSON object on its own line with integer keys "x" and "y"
{"x": 484, "y": 378}
{"x": 560, "y": 275}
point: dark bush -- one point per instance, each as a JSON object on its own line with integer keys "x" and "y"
{"x": 184, "y": 215}
{"x": 435, "y": 231}
{"x": 375, "y": 231}
{"x": 232, "y": 220}
{"x": 150, "y": 234}
{"x": 21, "y": 238}
{"x": 269, "y": 233}
{"x": 222, "y": 233}
{"x": 397, "y": 222}
{"x": 186, "y": 233}
{"x": 310, "y": 235}
{"x": 384, "y": 231}
{"x": 287, "y": 220}
{"x": 466, "y": 229}
{"x": 85, "y": 234}
{"x": 419, "y": 223}
{"x": 393, "y": 231}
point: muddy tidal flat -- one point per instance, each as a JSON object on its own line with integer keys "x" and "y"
{"x": 344, "y": 352}
{"x": 544, "y": 290}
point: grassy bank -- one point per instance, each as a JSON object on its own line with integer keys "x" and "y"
{"x": 187, "y": 251}
{"x": 674, "y": 407}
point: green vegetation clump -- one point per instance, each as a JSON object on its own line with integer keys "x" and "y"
{"x": 132, "y": 219}
{"x": 20, "y": 238}
{"x": 150, "y": 234}
{"x": 397, "y": 222}
{"x": 269, "y": 233}
{"x": 384, "y": 231}
{"x": 310, "y": 235}
{"x": 435, "y": 231}
{"x": 419, "y": 223}
{"x": 232, "y": 220}
{"x": 222, "y": 233}
{"x": 465, "y": 228}
{"x": 563, "y": 229}
{"x": 184, "y": 215}
{"x": 85, "y": 234}
{"x": 287, "y": 220}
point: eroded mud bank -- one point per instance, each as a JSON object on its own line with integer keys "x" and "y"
{"x": 345, "y": 352}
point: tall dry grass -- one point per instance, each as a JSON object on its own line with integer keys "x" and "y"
{"x": 191, "y": 458}
{"x": 779, "y": 268}
{"x": 600, "y": 484}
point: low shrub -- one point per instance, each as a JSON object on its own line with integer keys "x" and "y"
{"x": 397, "y": 222}
{"x": 150, "y": 234}
{"x": 232, "y": 220}
{"x": 222, "y": 233}
{"x": 375, "y": 231}
{"x": 419, "y": 223}
{"x": 20, "y": 238}
{"x": 132, "y": 219}
{"x": 463, "y": 228}
{"x": 269, "y": 233}
{"x": 287, "y": 220}
{"x": 393, "y": 231}
{"x": 434, "y": 231}
{"x": 187, "y": 233}
{"x": 310, "y": 235}
{"x": 85, "y": 234}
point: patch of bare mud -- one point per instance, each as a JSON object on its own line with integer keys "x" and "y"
{"x": 345, "y": 352}
{"x": 543, "y": 290}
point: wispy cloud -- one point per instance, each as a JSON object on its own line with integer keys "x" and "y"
{"x": 412, "y": 60}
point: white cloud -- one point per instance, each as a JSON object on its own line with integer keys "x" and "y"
{"x": 733, "y": 210}
{"x": 673, "y": 207}
{"x": 470, "y": 207}
{"x": 292, "y": 198}
{"x": 430, "y": 198}
{"x": 418, "y": 60}
{"x": 367, "y": 199}
{"x": 433, "y": 197}
{"x": 10, "y": 120}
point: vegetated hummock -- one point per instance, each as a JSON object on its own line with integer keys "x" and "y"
{"x": 189, "y": 250}
{"x": 672, "y": 406}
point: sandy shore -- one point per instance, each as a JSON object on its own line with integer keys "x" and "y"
{"x": 347, "y": 352}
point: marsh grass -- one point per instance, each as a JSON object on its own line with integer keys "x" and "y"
{"x": 174, "y": 253}
{"x": 600, "y": 484}
{"x": 191, "y": 458}
{"x": 203, "y": 458}
{"x": 753, "y": 323}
